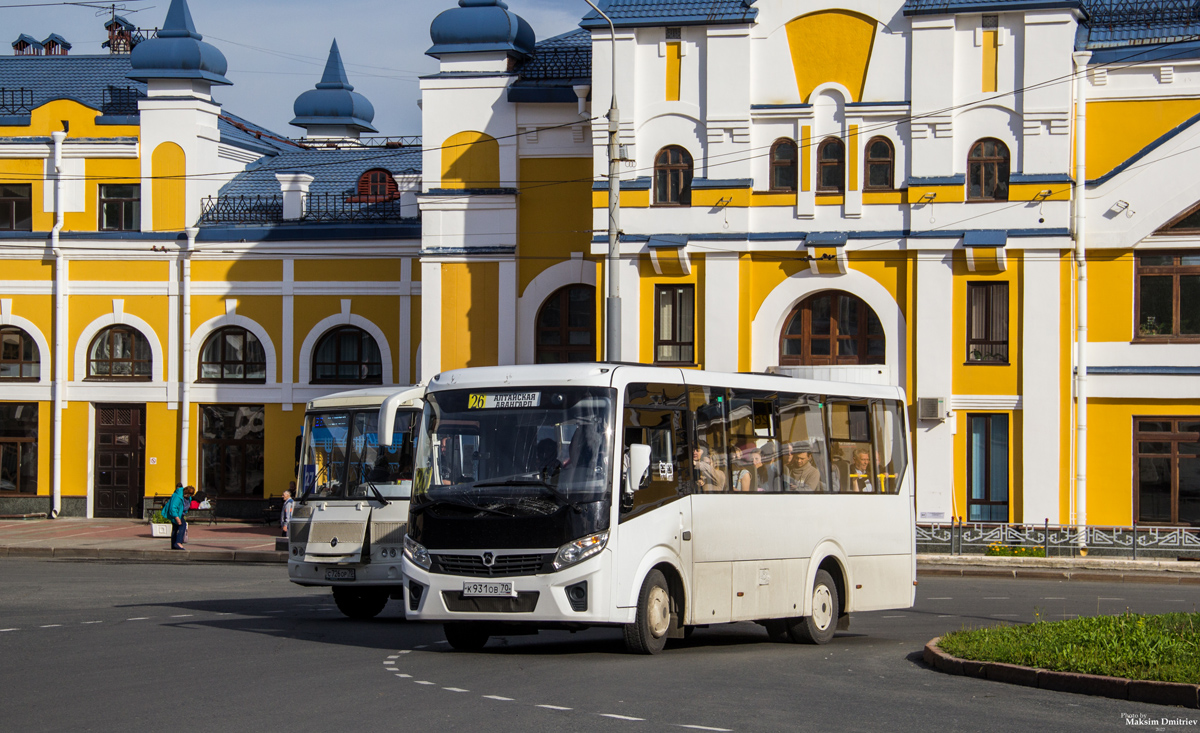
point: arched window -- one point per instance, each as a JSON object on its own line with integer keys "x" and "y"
{"x": 374, "y": 186}
{"x": 881, "y": 165}
{"x": 19, "y": 358}
{"x": 233, "y": 354}
{"x": 120, "y": 353}
{"x": 832, "y": 328}
{"x": 831, "y": 166}
{"x": 347, "y": 355}
{"x": 673, "y": 177}
{"x": 987, "y": 171}
{"x": 566, "y": 326}
{"x": 783, "y": 165}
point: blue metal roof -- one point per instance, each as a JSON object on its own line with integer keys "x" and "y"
{"x": 334, "y": 101}
{"x": 480, "y": 25}
{"x": 557, "y": 65}
{"x": 26, "y": 38}
{"x": 178, "y": 52}
{"x": 84, "y": 79}
{"x": 57, "y": 39}
{"x": 950, "y": 7}
{"x": 242, "y": 133}
{"x": 634, "y": 13}
{"x": 334, "y": 171}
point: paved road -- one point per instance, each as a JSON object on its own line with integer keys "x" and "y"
{"x": 108, "y": 646}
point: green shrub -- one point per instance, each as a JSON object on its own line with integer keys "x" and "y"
{"x": 158, "y": 518}
{"x": 1164, "y": 648}
{"x": 998, "y": 550}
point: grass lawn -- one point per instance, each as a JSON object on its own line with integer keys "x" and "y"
{"x": 1164, "y": 648}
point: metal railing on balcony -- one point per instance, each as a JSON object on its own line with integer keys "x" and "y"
{"x": 326, "y": 208}
{"x": 1055, "y": 540}
{"x": 121, "y": 100}
{"x": 16, "y": 101}
{"x": 558, "y": 63}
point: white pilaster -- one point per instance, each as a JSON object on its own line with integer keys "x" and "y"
{"x": 935, "y": 350}
{"x": 506, "y": 324}
{"x": 431, "y": 319}
{"x": 631, "y": 305}
{"x": 721, "y": 317}
{"x": 288, "y": 337}
{"x": 1042, "y": 387}
{"x": 404, "y": 338}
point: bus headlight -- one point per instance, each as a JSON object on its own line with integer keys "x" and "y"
{"x": 417, "y": 553}
{"x": 579, "y": 550}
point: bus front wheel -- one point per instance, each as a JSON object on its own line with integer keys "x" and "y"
{"x": 358, "y": 603}
{"x": 818, "y": 628}
{"x": 466, "y": 637}
{"x": 648, "y": 633}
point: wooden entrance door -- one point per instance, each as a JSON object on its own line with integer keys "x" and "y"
{"x": 120, "y": 460}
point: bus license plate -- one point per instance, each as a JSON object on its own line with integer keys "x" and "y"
{"x": 491, "y": 589}
{"x": 339, "y": 574}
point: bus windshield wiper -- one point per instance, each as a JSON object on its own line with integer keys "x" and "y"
{"x": 377, "y": 493}
{"x": 524, "y": 481}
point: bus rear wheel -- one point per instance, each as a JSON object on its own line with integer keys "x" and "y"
{"x": 819, "y": 627}
{"x": 466, "y": 637}
{"x": 648, "y": 633}
{"x": 359, "y": 603}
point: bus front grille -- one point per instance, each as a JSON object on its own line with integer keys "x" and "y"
{"x": 323, "y": 532}
{"x": 525, "y": 602}
{"x": 388, "y": 533}
{"x": 504, "y": 565}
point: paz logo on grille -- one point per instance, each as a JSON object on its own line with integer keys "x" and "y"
{"x": 333, "y": 542}
{"x": 489, "y": 559}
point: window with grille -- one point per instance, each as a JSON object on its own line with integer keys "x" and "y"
{"x": 19, "y": 357}
{"x": 1168, "y": 297}
{"x": 987, "y": 171}
{"x": 16, "y": 208}
{"x": 566, "y": 326}
{"x": 783, "y": 166}
{"x": 673, "y": 177}
{"x": 880, "y": 165}
{"x": 233, "y": 354}
{"x": 832, "y": 328}
{"x": 831, "y": 166}
{"x": 231, "y": 450}
{"x": 120, "y": 353}
{"x": 987, "y": 323}
{"x": 120, "y": 207}
{"x": 674, "y": 328}
{"x": 1166, "y": 476}
{"x": 347, "y": 355}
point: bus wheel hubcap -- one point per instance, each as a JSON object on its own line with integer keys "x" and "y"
{"x": 658, "y": 611}
{"x": 822, "y": 607}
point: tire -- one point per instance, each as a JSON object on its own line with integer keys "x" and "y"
{"x": 466, "y": 637}
{"x": 648, "y": 633}
{"x": 821, "y": 625}
{"x": 358, "y": 603}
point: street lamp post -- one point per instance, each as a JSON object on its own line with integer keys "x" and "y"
{"x": 612, "y": 337}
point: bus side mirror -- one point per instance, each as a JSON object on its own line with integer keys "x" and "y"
{"x": 639, "y": 464}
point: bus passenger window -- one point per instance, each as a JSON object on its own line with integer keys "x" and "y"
{"x": 803, "y": 462}
{"x": 709, "y": 451}
{"x": 670, "y": 470}
{"x": 891, "y": 453}
{"x": 850, "y": 447}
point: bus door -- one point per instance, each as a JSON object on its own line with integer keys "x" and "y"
{"x": 653, "y": 519}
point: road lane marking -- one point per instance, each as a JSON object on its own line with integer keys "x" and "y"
{"x": 995, "y": 598}
{"x": 394, "y": 656}
{"x": 1053, "y": 598}
{"x": 614, "y": 716}
{"x": 441, "y": 642}
{"x": 183, "y": 615}
{"x": 406, "y": 651}
{"x": 420, "y": 646}
{"x": 425, "y": 682}
{"x": 3, "y": 630}
{"x": 1102, "y": 598}
{"x": 704, "y": 727}
{"x": 881, "y": 617}
{"x": 455, "y": 689}
{"x": 85, "y": 623}
{"x": 498, "y": 697}
{"x": 139, "y": 618}
{"x": 50, "y": 626}
{"x": 948, "y": 615}
{"x": 947, "y": 598}
{"x": 405, "y": 676}
{"x": 552, "y": 707}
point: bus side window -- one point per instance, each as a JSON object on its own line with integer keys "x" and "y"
{"x": 710, "y": 463}
{"x": 891, "y": 450}
{"x": 851, "y": 452}
{"x": 803, "y": 459}
{"x": 670, "y": 469}
{"x": 754, "y": 442}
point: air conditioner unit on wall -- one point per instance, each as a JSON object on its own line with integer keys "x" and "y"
{"x": 931, "y": 408}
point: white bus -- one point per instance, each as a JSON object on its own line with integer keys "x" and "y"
{"x": 348, "y": 526}
{"x": 657, "y": 500}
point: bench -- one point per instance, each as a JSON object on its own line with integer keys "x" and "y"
{"x": 152, "y": 505}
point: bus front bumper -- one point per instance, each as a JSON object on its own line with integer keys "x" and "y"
{"x": 377, "y": 573}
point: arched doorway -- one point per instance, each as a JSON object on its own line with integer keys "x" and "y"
{"x": 832, "y": 327}
{"x": 566, "y": 326}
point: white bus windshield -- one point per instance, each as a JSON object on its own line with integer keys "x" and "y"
{"x": 343, "y": 458}
{"x": 519, "y": 452}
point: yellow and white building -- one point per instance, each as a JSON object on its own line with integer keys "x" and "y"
{"x": 882, "y": 191}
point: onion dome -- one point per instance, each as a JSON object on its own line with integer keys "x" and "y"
{"x": 478, "y": 26}
{"x": 334, "y": 102}
{"x": 178, "y": 52}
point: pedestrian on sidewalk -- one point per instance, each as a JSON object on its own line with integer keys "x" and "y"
{"x": 176, "y": 512}
{"x": 289, "y": 504}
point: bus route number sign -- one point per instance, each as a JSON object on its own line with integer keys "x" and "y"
{"x": 477, "y": 401}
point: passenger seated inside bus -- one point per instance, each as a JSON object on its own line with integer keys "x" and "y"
{"x": 708, "y": 477}
{"x": 854, "y": 475}
{"x": 741, "y": 471}
{"x": 803, "y": 473}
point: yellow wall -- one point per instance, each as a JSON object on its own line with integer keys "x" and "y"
{"x": 75, "y": 449}
{"x": 470, "y": 160}
{"x": 27, "y": 269}
{"x": 48, "y": 118}
{"x": 1110, "y": 300}
{"x": 348, "y": 270}
{"x": 470, "y": 314}
{"x": 128, "y": 270}
{"x": 162, "y": 443}
{"x": 86, "y": 308}
{"x": 986, "y": 378}
{"x": 554, "y": 219}
{"x": 991, "y": 51}
{"x": 381, "y": 310}
{"x": 279, "y": 446}
{"x": 1118, "y": 130}
{"x": 831, "y": 45}
{"x": 239, "y": 270}
{"x": 673, "y": 70}
{"x": 168, "y": 167}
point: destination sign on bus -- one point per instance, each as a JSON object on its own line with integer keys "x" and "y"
{"x": 498, "y": 401}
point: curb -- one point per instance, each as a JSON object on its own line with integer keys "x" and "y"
{"x": 1118, "y": 688}
{"x": 163, "y": 556}
{"x": 1089, "y": 575}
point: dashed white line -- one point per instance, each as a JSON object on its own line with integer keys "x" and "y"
{"x": 406, "y": 651}
{"x": 618, "y": 717}
{"x": 948, "y": 615}
{"x": 552, "y": 707}
{"x": 50, "y": 626}
{"x": 1102, "y": 598}
{"x": 424, "y": 682}
{"x": 441, "y": 642}
{"x": 183, "y": 615}
{"x": 405, "y": 676}
{"x": 3, "y": 630}
{"x": 995, "y": 598}
{"x": 703, "y": 727}
{"x": 394, "y": 656}
{"x": 946, "y": 598}
{"x": 881, "y": 617}
{"x": 498, "y": 697}
{"x": 85, "y": 623}
{"x": 139, "y": 618}
{"x": 1053, "y": 598}
{"x": 455, "y": 689}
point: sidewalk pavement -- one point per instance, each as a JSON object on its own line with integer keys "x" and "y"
{"x": 129, "y": 539}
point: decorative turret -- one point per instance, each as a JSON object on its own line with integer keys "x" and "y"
{"x": 481, "y": 27}
{"x": 178, "y": 52}
{"x": 333, "y": 109}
